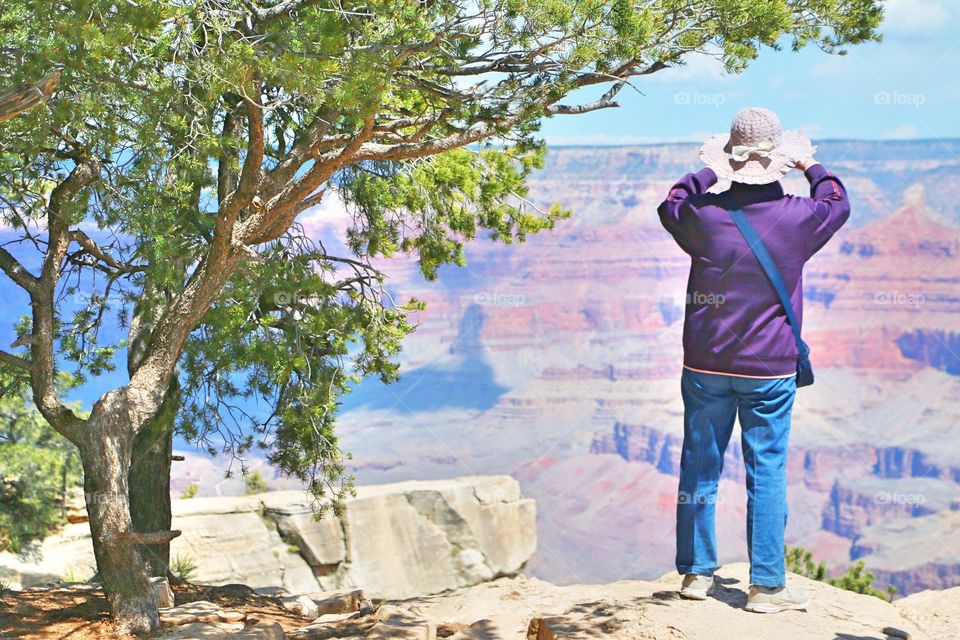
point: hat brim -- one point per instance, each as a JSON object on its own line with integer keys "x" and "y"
{"x": 794, "y": 146}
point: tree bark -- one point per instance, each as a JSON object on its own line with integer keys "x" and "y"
{"x": 106, "y": 465}
{"x": 149, "y": 482}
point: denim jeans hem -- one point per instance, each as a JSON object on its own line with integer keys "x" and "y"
{"x": 768, "y": 582}
{"x": 700, "y": 571}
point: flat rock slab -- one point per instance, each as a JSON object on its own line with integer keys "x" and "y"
{"x": 329, "y": 618}
{"x": 389, "y": 621}
{"x": 936, "y": 612}
{"x": 337, "y": 601}
{"x": 262, "y": 630}
{"x": 480, "y": 630}
{"x": 398, "y": 623}
{"x": 301, "y": 606}
{"x": 522, "y": 607}
{"x": 198, "y": 611}
{"x": 403, "y": 630}
{"x": 203, "y": 631}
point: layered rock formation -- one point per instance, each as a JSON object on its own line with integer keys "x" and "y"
{"x": 394, "y": 541}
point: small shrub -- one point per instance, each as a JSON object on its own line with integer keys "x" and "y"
{"x": 859, "y": 580}
{"x": 70, "y": 576}
{"x": 254, "y": 483}
{"x": 184, "y": 567}
{"x": 856, "y": 579}
{"x": 800, "y": 561}
{"x": 190, "y": 491}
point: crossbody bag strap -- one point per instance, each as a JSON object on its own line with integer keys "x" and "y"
{"x": 760, "y": 251}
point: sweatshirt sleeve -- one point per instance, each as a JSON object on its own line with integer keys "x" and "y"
{"x": 671, "y": 210}
{"x": 831, "y": 206}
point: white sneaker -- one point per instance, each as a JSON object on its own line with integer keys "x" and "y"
{"x": 697, "y": 587}
{"x": 775, "y": 599}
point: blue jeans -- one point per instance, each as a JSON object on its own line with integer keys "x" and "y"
{"x": 711, "y": 402}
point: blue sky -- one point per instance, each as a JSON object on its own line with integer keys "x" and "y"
{"x": 905, "y": 87}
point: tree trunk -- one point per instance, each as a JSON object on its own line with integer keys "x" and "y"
{"x": 149, "y": 482}
{"x": 106, "y": 464}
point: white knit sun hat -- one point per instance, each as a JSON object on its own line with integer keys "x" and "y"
{"x": 757, "y": 150}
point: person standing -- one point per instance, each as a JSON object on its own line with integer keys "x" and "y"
{"x": 739, "y": 349}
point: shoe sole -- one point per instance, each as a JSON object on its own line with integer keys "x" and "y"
{"x": 775, "y": 608}
{"x": 695, "y": 594}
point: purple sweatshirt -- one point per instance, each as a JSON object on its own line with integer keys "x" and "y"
{"x": 734, "y": 322}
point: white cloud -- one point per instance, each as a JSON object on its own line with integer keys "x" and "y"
{"x": 903, "y": 132}
{"x": 698, "y": 68}
{"x": 611, "y": 139}
{"x": 812, "y": 130}
{"x": 829, "y": 66}
{"x": 914, "y": 17}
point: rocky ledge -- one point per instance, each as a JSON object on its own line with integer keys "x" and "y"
{"x": 394, "y": 540}
{"x": 519, "y": 607}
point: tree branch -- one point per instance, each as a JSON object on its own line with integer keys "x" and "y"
{"x": 43, "y": 371}
{"x": 406, "y": 150}
{"x": 226, "y": 170}
{"x": 25, "y": 96}
{"x": 251, "y": 174}
{"x": 17, "y": 272}
{"x": 14, "y": 360}
{"x": 98, "y": 252}
{"x": 303, "y": 149}
{"x": 265, "y": 15}
{"x": 143, "y": 537}
{"x": 279, "y": 213}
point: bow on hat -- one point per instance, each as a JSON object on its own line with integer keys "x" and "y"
{"x": 742, "y": 152}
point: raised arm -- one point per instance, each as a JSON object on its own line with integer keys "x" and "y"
{"x": 831, "y": 206}
{"x": 670, "y": 210}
